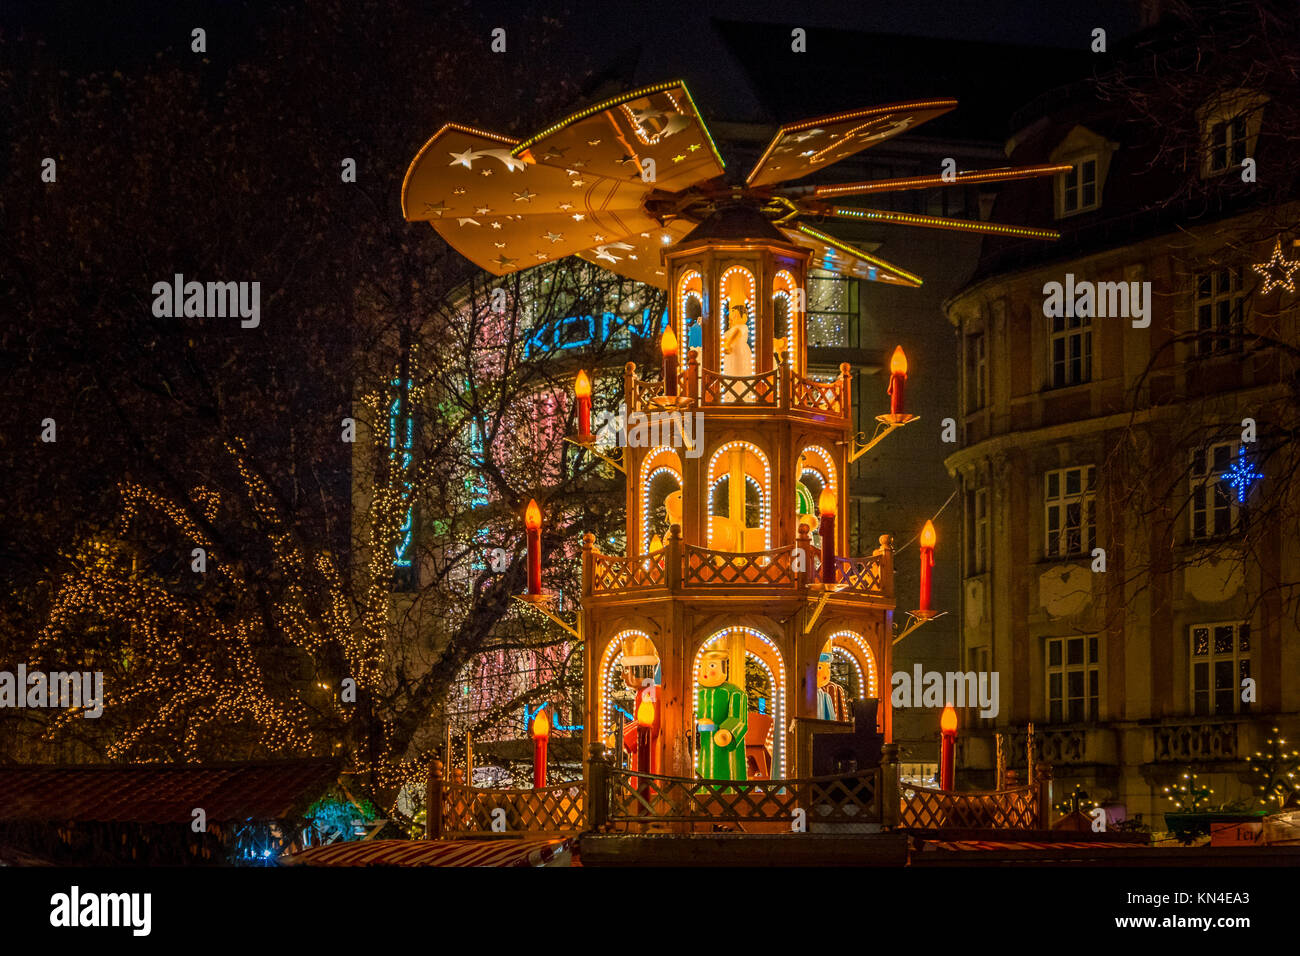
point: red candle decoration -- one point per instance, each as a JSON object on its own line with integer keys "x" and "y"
{"x": 533, "y": 522}
{"x": 668, "y": 346}
{"x": 927, "y": 563}
{"x": 826, "y": 505}
{"x": 541, "y": 734}
{"x": 645, "y": 719}
{"x": 948, "y": 747}
{"x": 897, "y": 381}
{"x": 582, "y": 389}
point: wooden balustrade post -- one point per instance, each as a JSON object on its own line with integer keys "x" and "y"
{"x": 433, "y": 825}
{"x": 597, "y": 787}
{"x": 889, "y": 797}
{"x": 673, "y": 559}
{"x": 785, "y": 385}
{"x": 886, "y": 555}
{"x": 846, "y": 388}
{"x": 803, "y": 544}
{"x": 629, "y": 386}
{"x": 693, "y": 375}
{"x": 588, "y": 565}
{"x": 1043, "y": 783}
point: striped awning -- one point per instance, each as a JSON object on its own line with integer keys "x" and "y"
{"x": 548, "y": 852}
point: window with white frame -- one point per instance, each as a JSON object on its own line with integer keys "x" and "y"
{"x": 1220, "y": 308}
{"x": 976, "y": 373}
{"x": 1220, "y": 655}
{"x": 977, "y": 510}
{"x": 1071, "y": 342}
{"x": 1073, "y": 679}
{"x": 1079, "y": 186}
{"x": 1216, "y": 509}
{"x": 1227, "y": 143}
{"x": 1070, "y": 508}
{"x": 1230, "y": 124}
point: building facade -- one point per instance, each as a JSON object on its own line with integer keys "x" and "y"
{"x": 1124, "y": 396}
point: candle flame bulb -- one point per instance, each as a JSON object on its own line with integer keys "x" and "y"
{"x": 541, "y": 724}
{"x": 898, "y": 362}
{"x": 826, "y": 503}
{"x": 656, "y": 544}
{"x": 533, "y": 516}
{"x": 582, "y": 387}
{"x": 948, "y": 720}
{"x": 668, "y": 344}
{"x": 928, "y": 535}
{"x": 645, "y": 714}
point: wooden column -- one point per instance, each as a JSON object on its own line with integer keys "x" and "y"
{"x": 889, "y": 805}
{"x": 433, "y": 802}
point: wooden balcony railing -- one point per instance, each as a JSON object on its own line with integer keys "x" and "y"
{"x": 825, "y": 397}
{"x": 633, "y": 801}
{"x": 680, "y": 566}
{"x": 778, "y": 388}
{"x": 474, "y": 811}
{"x": 1013, "y": 809}
{"x": 760, "y": 390}
{"x": 705, "y": 567}
{"x": 612, "y": 573}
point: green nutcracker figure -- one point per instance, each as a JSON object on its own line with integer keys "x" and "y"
{"x": 722, "y": 714}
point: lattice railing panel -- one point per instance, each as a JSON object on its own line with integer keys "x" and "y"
{"x": 924, "y": 809}
{"x": 708, "y": 568}
{"x": 860, "y": 574}
{"x": 643, "y": 392}
{"x": 613, "y": 573}
{"x": 849, "y": 798}
{"x": 760, "y": 389}
{"x": 827, "y": 397}
{"x": 556, "y": 809}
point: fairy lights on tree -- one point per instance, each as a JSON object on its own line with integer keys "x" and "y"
{"x": 1276, "y": 771}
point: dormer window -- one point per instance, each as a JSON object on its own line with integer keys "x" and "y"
{"x": 1079, "y": 189}
{"x": 1230, "y": 125}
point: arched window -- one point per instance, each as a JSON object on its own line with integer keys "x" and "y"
{"x": 762, "y": 653}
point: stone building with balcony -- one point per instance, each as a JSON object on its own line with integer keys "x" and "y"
{"x": 1128, "y": 561}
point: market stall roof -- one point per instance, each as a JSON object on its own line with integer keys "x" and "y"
{"x": 545, "y": 852}
{"x": 162, "y": 793}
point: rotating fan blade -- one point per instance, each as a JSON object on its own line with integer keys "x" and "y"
{"x": 810, "y": 145}
{"x": 938, "y": 222}
{"x": 653, "y": 129}
{"x": 504, "y": 214}
{"x": 835, "y": 255}
{"x": 928, "y": 182}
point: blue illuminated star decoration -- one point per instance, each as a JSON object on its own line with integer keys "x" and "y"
{"x": 1242, "y": 476}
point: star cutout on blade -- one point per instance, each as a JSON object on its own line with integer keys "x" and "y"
{"x": 578, "y": 217}
{"x": 554, "y": 236}
{"x": 565, "y": 206}
{"x": 579, "y": 182}
{"x": 436, "y": 208}
{"x": 593, "y": 142}
{"x": 540, "y": 256}
{"x": 499, "y": 245}
{"x": 555, "y": 152}
{"x": 525, "y": 196}
{"x": 486, "y": 172}
{"x": 597, "y": 238}
{"x": 483, "y": 211}
{"x": 1277, "y": 271}
{"x": 472, "y": 222}
{"x": 465, "y": 158}
{"x": 496, "y": 224}
{"x": 459, "y": 191}
{"x": 504, "y": 261}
